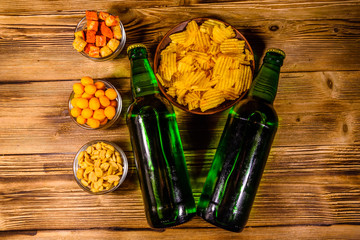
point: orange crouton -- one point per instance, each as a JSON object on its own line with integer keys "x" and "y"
{"x": 111, "y": 21}
{"x": 106, "y": 31}
{"x": 100, "y": 40}
{"x": 80, "y": 34}
{"x": 94, "y": 52}
{"x": 91, "y": 16}
{"x": 105, "y": 51}
{"x": 87, "y": 47}
{"x": 117, "y": 32}
{"x": 79, "y": 44}
{"x": 113, "y": 44}
{"x": 92, "y": 25}
{"x": 90, "y": 36}
{"x": 103, "y": 15}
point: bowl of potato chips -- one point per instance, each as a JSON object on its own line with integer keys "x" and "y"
{"x": 204, "y": 66}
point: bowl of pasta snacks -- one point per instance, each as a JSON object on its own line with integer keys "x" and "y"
{"x": 100, "y": 167}
{"x": 204, "y": 66}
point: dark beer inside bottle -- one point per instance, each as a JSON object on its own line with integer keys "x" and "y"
{"x": 238, "y": 164}
{"x": 157, "y": 148}
{"x": 231, "y": 185}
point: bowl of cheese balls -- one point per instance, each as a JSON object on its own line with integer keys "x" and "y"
{"x": 94, "y": 104}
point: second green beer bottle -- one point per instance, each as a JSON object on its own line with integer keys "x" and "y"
{"x": 240, "y": 158}
{"x": 157, "y": 148}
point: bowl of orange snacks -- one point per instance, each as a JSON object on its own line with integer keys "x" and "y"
{"x": 99, "y": 36}
{"x": 94, "y": 104}
{"x": 204, "y": 66}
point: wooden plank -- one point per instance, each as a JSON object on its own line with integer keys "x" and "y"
{"x": 314, "y": 108}
{"x": 308, "y": 185}
{"x": 30, "y": 40}
{"x": 350, "y": 232}
{"x": 23, "y": 6}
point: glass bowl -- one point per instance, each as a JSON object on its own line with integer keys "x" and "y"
{"x": 109, "y": 123}
{"x": 166, "y": 41}
{"x": 82, "y": 25}
{"x": 124, "y": 165}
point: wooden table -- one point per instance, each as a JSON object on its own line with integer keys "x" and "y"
{"x": 310, "y": 187}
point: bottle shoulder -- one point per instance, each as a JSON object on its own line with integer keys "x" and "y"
{"x": 148, "y": 104}
{"x": 255, "y": 110}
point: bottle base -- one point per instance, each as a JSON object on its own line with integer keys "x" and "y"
{"x": 209, "y": 215}
{"x": 178, "y": 221}
{"x": 237, "y": 230}
{"x": 172, "y": 217}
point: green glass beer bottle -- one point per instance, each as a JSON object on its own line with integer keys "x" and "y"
{"x": 157, "y": 148}
{"x": 240, "y": 158}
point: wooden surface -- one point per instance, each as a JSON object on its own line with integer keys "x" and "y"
{"x": 310, "y": 187}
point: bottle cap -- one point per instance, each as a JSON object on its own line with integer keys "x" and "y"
{"x": 276, "y": 50}
{"x": 266, "y": 82}
{"x": 136, "y": 45}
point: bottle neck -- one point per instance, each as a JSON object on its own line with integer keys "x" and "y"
{"x": 143, "y": 81}
{"x": 266, "y": 82}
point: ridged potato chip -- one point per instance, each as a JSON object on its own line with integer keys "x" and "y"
{"x": 192, "y": 27}
{"x": 169, "y": 65}
{"x": 180, "y": 37}
{"x": 221, "y": 33}
{"x": 211, "y": 99}
{"x": 232, "y": 46}
{"x": 205, "y": 65}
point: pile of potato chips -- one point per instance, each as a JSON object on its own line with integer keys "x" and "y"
{"x": 205, "y": 65}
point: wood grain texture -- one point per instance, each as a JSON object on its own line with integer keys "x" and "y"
{"x": 301, "y": 185}
{"x": 315, "y": 108}
{"x": 316, "y": 36}
{"x": 287, "y": 232}
{"x": 39, "y": 6}
{"x": 310, "y": 187}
